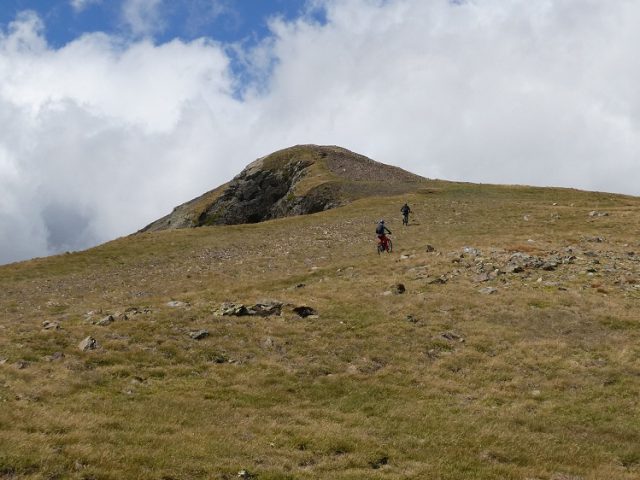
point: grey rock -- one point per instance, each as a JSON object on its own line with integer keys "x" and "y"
{"x": 488, "y": 290}
{"x": 595, "y": 213}
{"x": 452, "y": 336}
{"x": 48, "y": 325}
{"x": 55, "y": 356}
{"x": 474, "y": 252}
{"x": 232, "y": 309}
{"x": 441, "y": 280}
{"x": 430, "y": 248}
{"x": 199, "y": 334}
{"x": 177, "y": 304}
{"x": 267, "y": 308}
{"x": 483, "y": 277}
{"x": 105, "y": 321}
{"x": 87, "y": 344}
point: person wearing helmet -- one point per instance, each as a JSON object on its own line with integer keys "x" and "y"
{"x": 381, "y": 230}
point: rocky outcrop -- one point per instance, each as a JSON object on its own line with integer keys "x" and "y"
{"x": 295, "y": 181}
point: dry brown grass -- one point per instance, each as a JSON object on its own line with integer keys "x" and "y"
{"x": 544, "y": 385}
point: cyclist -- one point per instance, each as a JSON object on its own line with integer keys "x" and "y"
{"x": 381, "y": 229}
{"x": 405, "y": 213}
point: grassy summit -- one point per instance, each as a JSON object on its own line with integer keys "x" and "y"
{"x": 537, "y": 380}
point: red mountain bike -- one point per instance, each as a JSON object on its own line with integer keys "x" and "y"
{"x": 384, "y": 245}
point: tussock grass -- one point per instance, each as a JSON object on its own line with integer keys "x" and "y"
{"x": 539, "y": 380}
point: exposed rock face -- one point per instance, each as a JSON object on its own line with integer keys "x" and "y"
{"x": 295, "y": 181}
{"x": 259, "y": 194}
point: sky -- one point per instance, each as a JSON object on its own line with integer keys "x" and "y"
{"x": 112, "y": 112}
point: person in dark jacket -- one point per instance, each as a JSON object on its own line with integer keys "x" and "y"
{"x": 405, "y": 213}
{"x": 381, "y": 230}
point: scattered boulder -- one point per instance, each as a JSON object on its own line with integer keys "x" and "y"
{"x": 441, "y": 280}
{"x": 109, "y": 319}
{"x": 177, "y": 304}
{"x": 232, "y": 309}
{"x": 452, "y": 336}
{"x": 488, "y": 290}
{"x": 595, "y": 213}
{"x": 398, "y": 289}
{"x": 267, "y": 308}
{"x": 54, "y": 356}
{"x": 199, "y": 334}
{"x": 485, "y": 277}
{"x": 87, "y": 344}
{"x": 263, "y": 309}
{"x": 304, "y": 311}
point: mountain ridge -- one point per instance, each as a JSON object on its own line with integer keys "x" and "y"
{"x": 298, "y": 180}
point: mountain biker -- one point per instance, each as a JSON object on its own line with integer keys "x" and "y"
{"x": 381, "y": 229}
{"x": 405, "y": 213}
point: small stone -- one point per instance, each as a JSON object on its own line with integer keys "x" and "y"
{"x": 549, "y": 266}
{"x": 232, "y": 309}
{"x": 199, "y": 334}
{"x": 105, "y": 321}
{"x": 430, "y": 248}
{"x": 441, "y": 280}
{"x": 404, "y": 257}
{"x": 21, "y": 364}
{"x": 452, "y": 336}
{"x": 488, "y": 290}
{"x": 55, "y": 356}
{"x": 304, "y": 311}
{"x": 177, "y": 304}
{"x": 87, "y": 344}
{"x": 245, "y": 474}
{"x": 47, "y": 325}
{"x": 398, "y": 289}
{"x": 535, "y": 393}
{"x": 483, "y": 277}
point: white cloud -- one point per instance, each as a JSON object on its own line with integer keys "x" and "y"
{"x": 143, "y": 17}
{"x": 102, "y": 136}
{"x": 79, "y": 5}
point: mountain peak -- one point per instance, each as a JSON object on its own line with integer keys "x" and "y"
{"x": 297, "y": 180}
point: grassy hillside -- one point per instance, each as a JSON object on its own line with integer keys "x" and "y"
{"x": 537, "y": 380}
